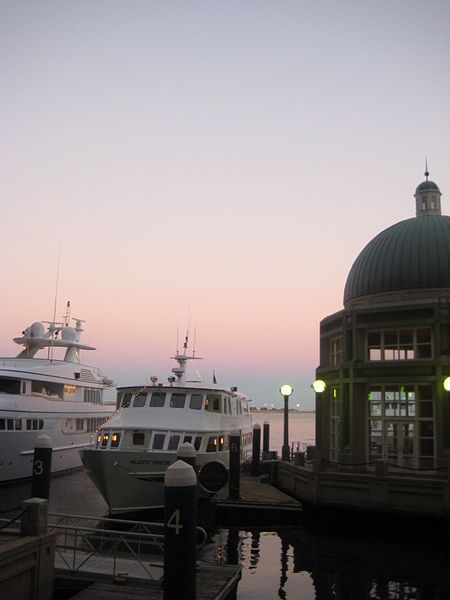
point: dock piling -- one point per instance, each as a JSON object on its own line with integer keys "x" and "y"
{"x": 256, "y": 449}
{"x": 42, "y": 467}
{"x": 180, "y": 532}
{"x": 266, "y": 439}
{"x": 235, "y": 465}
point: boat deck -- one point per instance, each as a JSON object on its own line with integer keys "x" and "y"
{"x": 260, "y": 503}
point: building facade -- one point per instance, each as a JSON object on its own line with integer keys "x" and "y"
{"x": 385, "y": 356}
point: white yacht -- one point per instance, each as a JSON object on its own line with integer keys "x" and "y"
{"x": 61, "y": 398}
{"x": 134, "y": 449}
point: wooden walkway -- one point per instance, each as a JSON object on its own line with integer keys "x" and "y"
{"x": 260, "y": 503}
{"x": 214, "y": 582}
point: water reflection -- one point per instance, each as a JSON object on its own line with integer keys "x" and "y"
{"x": 297, "y": 563}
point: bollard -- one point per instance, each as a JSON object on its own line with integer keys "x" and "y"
{"x": 266, "y": 439}
{"x": 34, "y": 519}
{"x": 187, "y": 453}
{"x": 256, "y": 449}
{"x": 42, "y": 467}
{"x": 234, "y": 482}
{"x": 180, "y": 532}
{"x": 299, "y": 459}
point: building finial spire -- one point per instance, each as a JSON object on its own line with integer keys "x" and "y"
{"x": 426, "y": 169}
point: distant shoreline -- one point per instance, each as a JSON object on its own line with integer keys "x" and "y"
{"x": 254, "y": 409}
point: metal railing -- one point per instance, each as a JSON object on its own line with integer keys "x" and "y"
{"x": 115, "y": 540}
{"x": 111, "y": 546}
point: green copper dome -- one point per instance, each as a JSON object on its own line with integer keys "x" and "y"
{"x": 427, "y": 185}
{"x": 411, "y": 255}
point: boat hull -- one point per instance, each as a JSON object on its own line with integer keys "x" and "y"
{"x": 17, "y": 447}
{"x": 134, "y": 481}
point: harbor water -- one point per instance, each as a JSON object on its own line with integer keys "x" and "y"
{"x": 292, "y": 562}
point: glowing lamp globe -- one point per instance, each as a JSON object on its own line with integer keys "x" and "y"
{"x": 446, "y": 384}
{"x": 319, "y": 386}
{"x": 286, "y": 390}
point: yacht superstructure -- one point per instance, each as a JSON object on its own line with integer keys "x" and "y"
{"x": 61, "y": 398}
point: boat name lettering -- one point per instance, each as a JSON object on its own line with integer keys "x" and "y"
{"x": 143, "y": 461}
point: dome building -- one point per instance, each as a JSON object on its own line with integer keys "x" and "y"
{"x": 383, "y": 420}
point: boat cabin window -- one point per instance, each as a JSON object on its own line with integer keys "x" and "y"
{"x": 196, "y": 401}
{"x": 174, "y": 441}
{"x": 198, "y": 442}
{"x": 239, "y": 407}
{"x": 139, "y": 400}
{"x": 138, "y": 438}
{"x": 115, "y": 439}
{"x": 158, "y": 441}
{"x": 187, "y": 439}
{"x": 213, "y": 403}
{"x": 105, "y": 438}
{"x": 11, "y": 424}
{"x": 177, "y": 400}
{"x": 126, "y": 400}
{"x": 212, "y": 444}
{"x": 91, "y": 395}
{"x": 9, "y": 386}
{"x": 245, "y": 407}
{"x": 47, "y": 388}
{"x": 33, "y": 424}
{"x": 158, "y": 399}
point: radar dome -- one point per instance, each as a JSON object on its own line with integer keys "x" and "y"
{"x": 37, "y": 330}
{"x": 68, "y": 334}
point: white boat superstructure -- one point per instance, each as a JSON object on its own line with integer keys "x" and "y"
{"x": 134, "y": 449}
{"x": 61, "y": 398}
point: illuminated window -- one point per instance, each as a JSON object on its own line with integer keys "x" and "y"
{"x": 401, "y": 424}
{"x": 115, "y": 440}
{"x": 105, "y": 438}
{"x": 212, "y": 444}
{"x": 403, "y": 344}
{"x": 336, "y": 350}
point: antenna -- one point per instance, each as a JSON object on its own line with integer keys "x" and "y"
{"x": 66, "y": 317}
{"x": 195, "y": 337}
{"x": 50, "y": 348}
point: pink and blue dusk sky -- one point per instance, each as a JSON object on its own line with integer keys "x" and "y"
{"x": 219, "y": 158}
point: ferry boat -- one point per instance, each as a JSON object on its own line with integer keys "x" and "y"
{"x": 59, "y": 397}
{"x": 134, "y": 449}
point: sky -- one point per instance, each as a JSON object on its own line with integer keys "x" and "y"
{"x": 214, "y": 166}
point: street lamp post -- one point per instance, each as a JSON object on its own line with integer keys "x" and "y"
{"x": 286, "y": 391}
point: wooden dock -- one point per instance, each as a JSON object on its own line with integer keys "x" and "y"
{"x": 214, "y": 582}
{"x": 260, "y": 504}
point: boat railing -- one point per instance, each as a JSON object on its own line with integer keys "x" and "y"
{"x": 113, "y": 547}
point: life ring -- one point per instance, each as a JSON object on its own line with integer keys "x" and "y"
{"x": 213, "y": 476}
